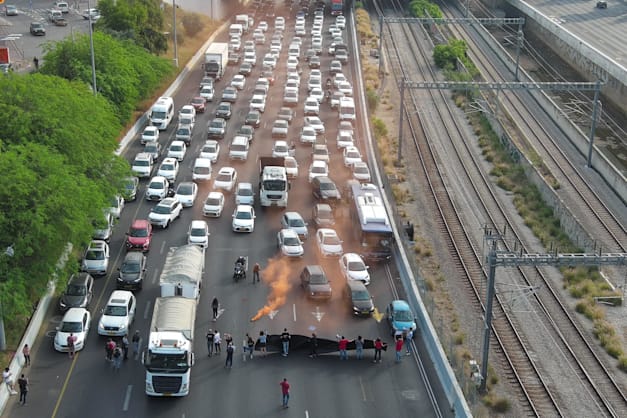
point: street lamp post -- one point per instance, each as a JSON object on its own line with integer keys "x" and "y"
{"x": 9, "y": 252}
{"x": 176, "y": 53}
{"x": 91, "y": 50}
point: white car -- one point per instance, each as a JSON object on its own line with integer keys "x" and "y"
{"x": 245, "y": 194}
{"x": 317, "y": 94}
{"x": 158, "y": 188}
{"x": 186, "y": 193}
{"x": 96, "y": 259}
{"x": 292, "y": 63}
{"x": 340, "y": 22}
{"x": 269, "y": 61}
{"x": 308, "y": 135}
{"x": 280, "y": 149}
{"x": 239, "y": 81}
{"x": 295, "y": 221}
{"x": 318, "y": 168}
{"x": 165, "y": 212}
{"x": 312, "y": 106}
{"x": 291, "y": 166}
{"x": 211, "y": 150}
{"x": 243, "y": 219}
{"x": 187, "y": 112}
{"x": 198, "y": 234}
{"x": 339, "y": 78}
{"x": 354, "y": 268}
{"x": 293, "y": 76}
{"x": 177, "y": 150}
{"x": 329, "y": 244}
{"x": 345, "y": 87}
{"x": 316, "y": 123}
{"x": 150, "y": 134}
{"x": 289, "y": 243}
{"x": 320, "y": 152}
{"x": 344, "y": 139}
{"x": 117, "y": 204}
{"x": 263, "y": 25}
{"x": 169, "y": 169}
{"x": 351, "y": 156}
{"x": 314, "y": 82}
{"x": 142, "y": 164}
{"x": 75, "y": 322}
{"x": 207, "y": 92}
{"x": 315, "y": 72}
{"x": 361, "y": 172}
{"x": 258, "y": 102}
{"x": 214, "y": 204}
{"x": 226, "y": 179}
{"x": 119, "y": 314}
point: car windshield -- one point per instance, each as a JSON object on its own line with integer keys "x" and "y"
{"x": 130, "y": 267}
{"x": 321, "y": 151}
{"x": 238, "y": 147}
{"x": 331, "y": 240}
{"x": 252, "y": 116}
{"x": 224, "y": 108}
{"x": 95, "y": 255}
{"x": 141, "y": 163}
{"x": 356, "y": 266}
{"x": 318, "y": 279}
{"x": 115, "y": 310}
{"x": 274, "y": 185}
{"x": 151, "y": 148}
{"x": 185, "y": 189}
{"x": 224, "y": 177}
{"x": 353, "y": 154}
{"x": 158, "y": 115}
{"x": 280, "y": 148}
{"x": 212, "y": 202}
{"x": 404, "y": 316}
{"x": 139, "y": 232}
{"x": 180, "y": 131}
{"x": 198, "y": 101}
{"x": 162, "y": 209}
{"x": 290, "y": 163}
{"x": 325, "y": 214}
{"x": 198, "y": 232}
{"x": 318, "y": 170}
{"x": 167, "y": 167}
{"x": 291, "y": 242}
{"x": 175, "y": 363}
{"x": 361, "y": 169}
{"x": 361, "y": 295}
{"x": 150, "y": 132}
{"x": 327, "y": 186}
{"x": 245, "y": 192}
{"x": 216, "y": 124}
{"x": 76, "y": 290}
{"x": 244, "y": 215}
{"x": 71, "y": 327}
{"x": 245, "y": 130}
{"x": 156, "y": 185}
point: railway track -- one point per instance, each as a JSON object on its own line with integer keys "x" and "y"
{"x": 536, "y": 392}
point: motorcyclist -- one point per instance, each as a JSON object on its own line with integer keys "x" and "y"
{"x": 241, "y": 261}
{"x": 328, "y": 82}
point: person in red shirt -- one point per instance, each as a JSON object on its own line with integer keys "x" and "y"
{"x": 399, "y": 348}
{"x": 342, "y": 345}
{"x": 378, "y": 346}
{"x": 285, "y": 391}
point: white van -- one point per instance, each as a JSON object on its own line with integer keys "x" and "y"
{"x": 236, "y": 29}
{"x": 238, "y": 150}
{"x": 162, "y": 113}
{"x": 202, "y": 169}
{"x": 347, "y": 109}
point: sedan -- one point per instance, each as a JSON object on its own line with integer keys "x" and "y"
{"x": 165, "y": 212}
{"x": 206, "y": 92}
{"x": 281, "y": 149}
{"x": 308, "y": 135}
{"x": 239, "y": 81}
{"x": 335, "y": 67}
{"x": 344, "y": 139}
{"x": 320, "y": 152}
{"x": 361, "y": 172}
{"x": 316, "y": 123}
{"x": 329, "y": 244}
{"x": 291, "y": 166}
{"x": 246, "y": 131}
{"x": 150, "y": 134}
{"x": 244, "y": 194}
{"x": 199, "y": 103}
{"x": 353, "y": 267}
{"x": 317, "y": 94}
{"x": 325, "y": 189}
{"x": 253, "y": 118}
{"x": 243, "y": 219}
{"x": 345, "y": 87}
{"x": 351, "y": 156}
{"x": 186, "y": 193}
{"x": 280, "y": 128}
{"x": 289, "y": 243}
{"x": 198, "y": 234}
{"x": 157, "y": 188}
{"x": 226, "y": 179}
{"x": 169, "y": 169}
{"x": 229, "y": 94}
{"x": 312, "y": 106}
{"x": 75, "y": 324}
{"x": 269, "y": 74}
{"x": 214, "y": 204}
{"x": 211, "y": 150}
{"x": 177, "y": 150}
{"x": 285, "y": 113}
{"x": 216, "y": 128}
{"x": 184, "y": 134}
{"x": 129, "y": 188}
{"x": 269, "y": 61}
{"x": 314, "y": 62}
{"x": 10, "y": 10}
{"x": 224, "y": 110}
{"x": 318, "y": 168}
{"x": 96, "y": 259}
{"x": 295, "y": 221}
{"x": 245, "y": 69}
{"x": 153, "y": 149}
{"x": 323, "y": 215}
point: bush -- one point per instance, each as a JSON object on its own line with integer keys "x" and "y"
{"x": 192, "y": 24}
{"x": 622, "y": 363}
{"x": 380, "y": 130}
{"x": 373, "y": 99}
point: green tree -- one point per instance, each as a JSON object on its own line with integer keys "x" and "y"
{"x": 418, "y": 8}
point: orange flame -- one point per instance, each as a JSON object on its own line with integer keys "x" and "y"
{"x": 277, "y": 276}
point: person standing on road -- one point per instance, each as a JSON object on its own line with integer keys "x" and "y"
{"x": 285, "y": 341}
{"x": 359, "y": 347}
{"x": 217, "y": 340}
{"x": 378, "y": 346}
{"x": 256, "y": 270}
{"x": 408, "y": 338}
{"x": 251, "y": 345}
{"x": 117, "y": 358}
{"x": 135, "y": 340}
{"x": 230, "y": 349}
{"x": 399, "y": 348}
{"x": 228, "y": 338}
{"x": 313, "y": 343}
{"x": 214, "y": 307}
{"x": 36, "y": 63}
{"x": 342, "y": 346}
{"x": 210, "y": 340}
{"x": 262, "y": 341}
{"x": 71, "y": 340}
{"x": 26, "y": 354}
{"x": 125, "y": 346}
{"x": 285, "y": 392}
{"x": 109, "y": 347}
{"x": 23, "y": 384}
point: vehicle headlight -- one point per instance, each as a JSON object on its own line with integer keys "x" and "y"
{"x": 122, "y": 327}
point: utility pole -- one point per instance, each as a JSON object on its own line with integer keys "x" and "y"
{"x": 91, "y": 50}
{"x": 176, "y": 52}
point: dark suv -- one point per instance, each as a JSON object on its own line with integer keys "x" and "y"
{"x": 78, "y": 292}
{"x": 315, "y": 282}
{"x": 324, "y": 189}
{"x": 132, "y": 271}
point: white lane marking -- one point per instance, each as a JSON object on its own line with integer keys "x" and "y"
{"x": 162, "y": 247}
{"x": 306, "y": 413}
{"x": 363, "y": 389}
{"x": 154, "y": 276}
{"x": 147, "y": 310}
{"x": 127, "y": 397}
{"x": 294, "y": 310}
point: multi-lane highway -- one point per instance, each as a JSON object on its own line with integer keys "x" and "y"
{"x": 320, "y": 387}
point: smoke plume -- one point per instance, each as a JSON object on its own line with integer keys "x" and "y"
{"x": 277, "y": 276}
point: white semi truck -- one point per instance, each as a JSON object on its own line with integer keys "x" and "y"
{"x": 169, "y": 354}
{"x": 216, "y": 59}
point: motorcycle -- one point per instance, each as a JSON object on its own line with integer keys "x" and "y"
{"x": 241, "y": 265}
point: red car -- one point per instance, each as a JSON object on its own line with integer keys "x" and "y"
{"x": 199, "y": 104}
{"x": 139, "y": 236}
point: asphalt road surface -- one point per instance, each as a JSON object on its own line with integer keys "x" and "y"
{"x": 321, "y": 387}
